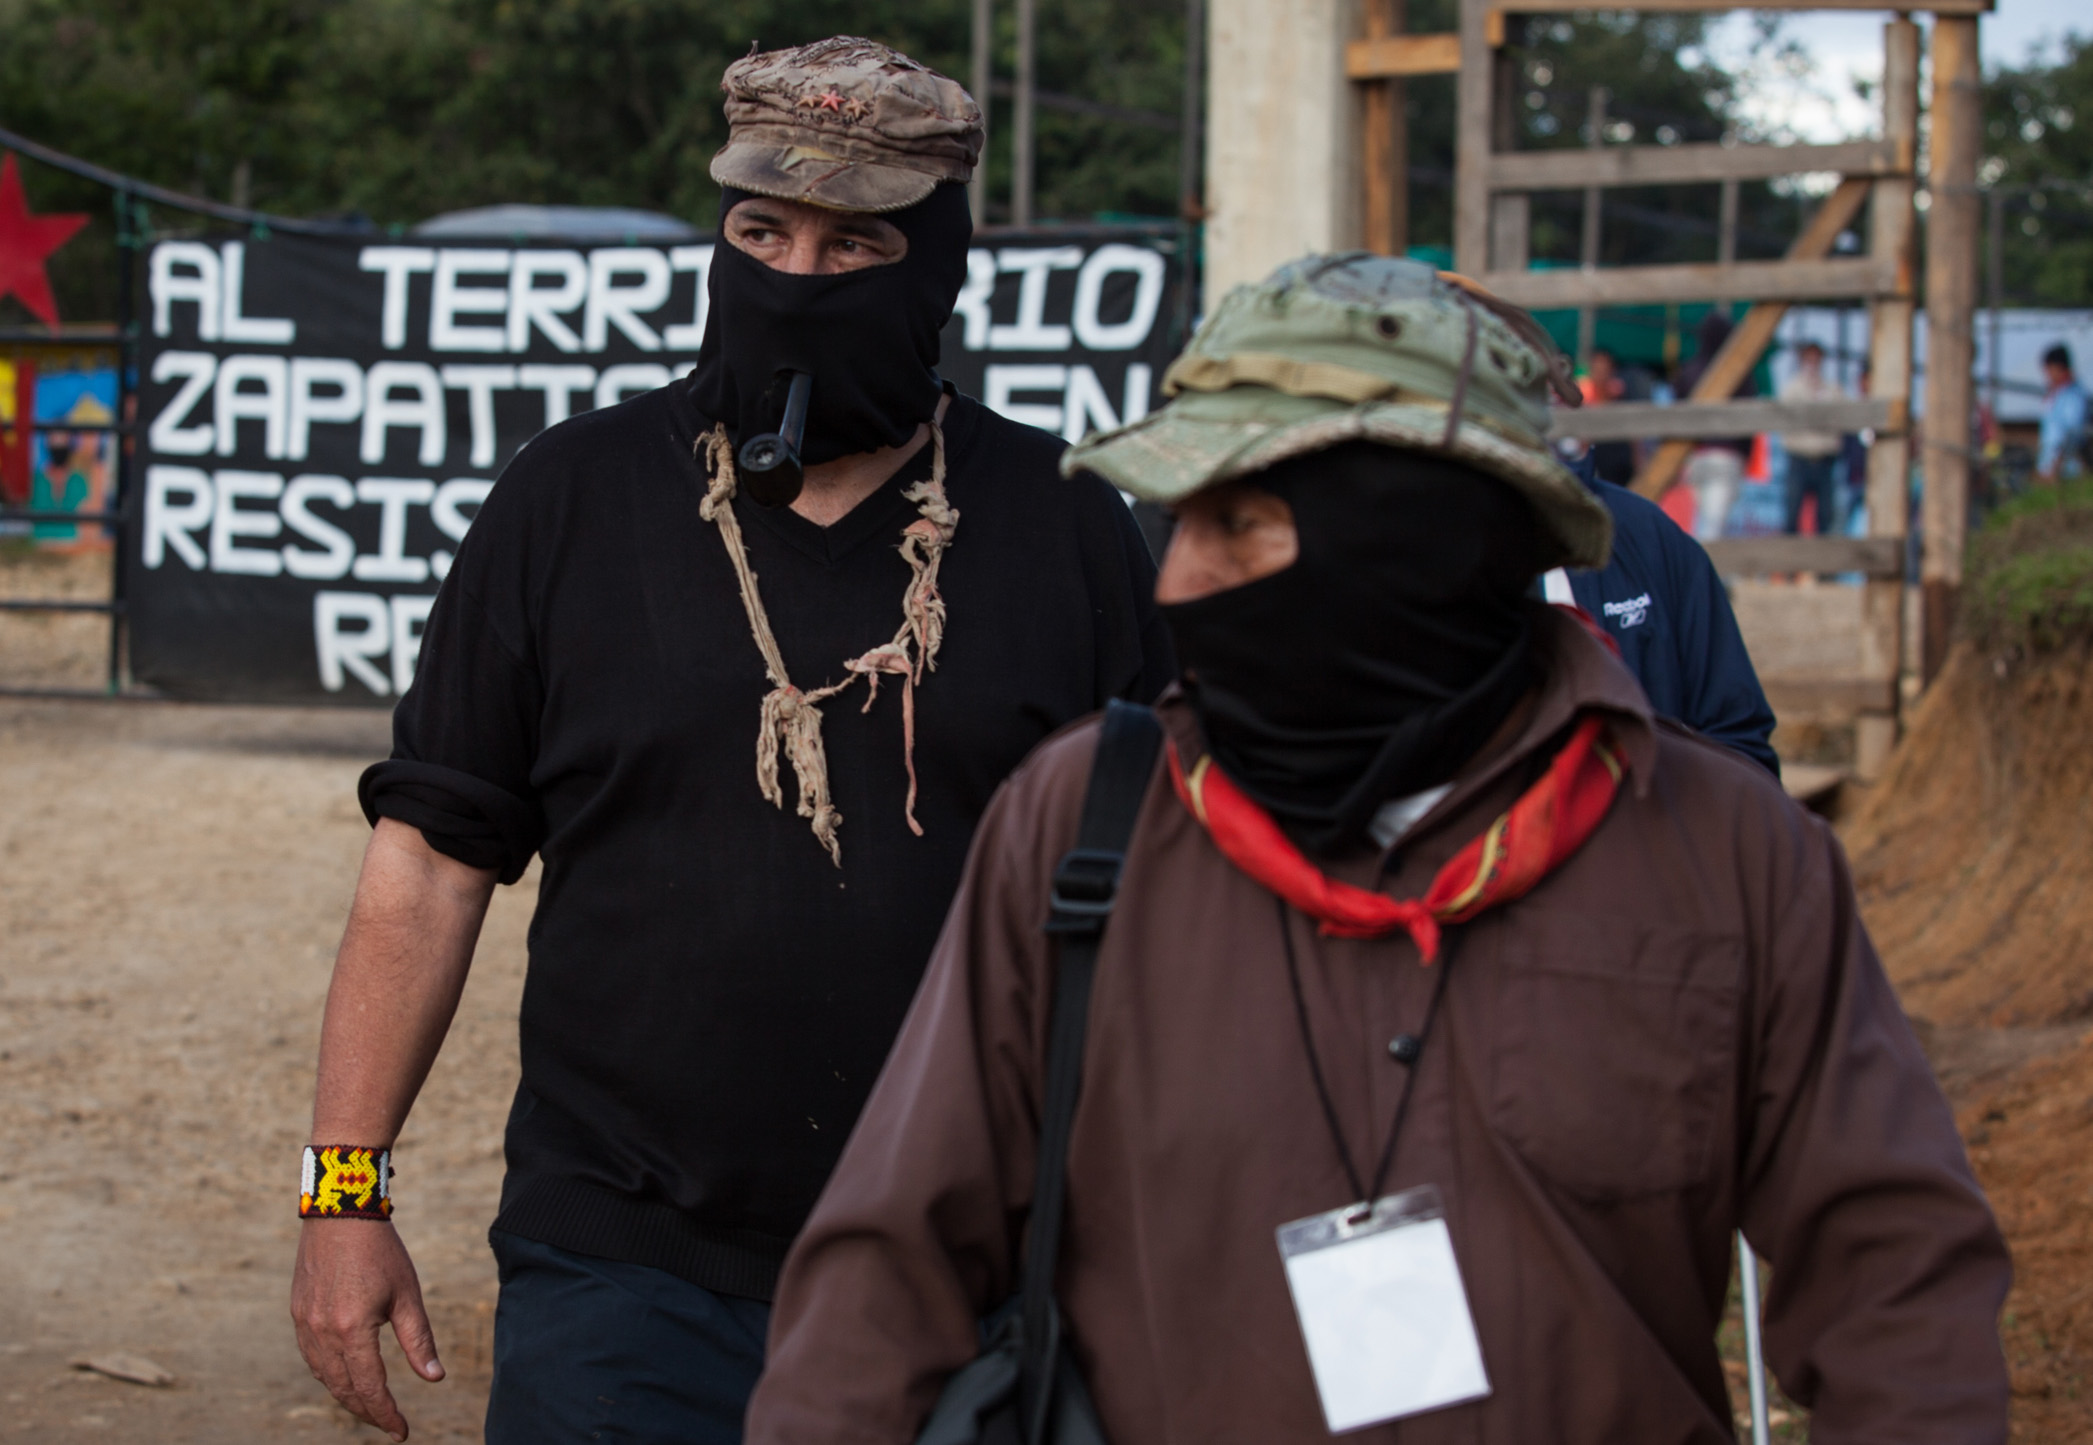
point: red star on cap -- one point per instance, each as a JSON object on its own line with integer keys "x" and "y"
{"x": 832, "y": 101}
{"x": 26, "y": 241}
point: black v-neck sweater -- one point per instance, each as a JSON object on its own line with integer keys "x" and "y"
{"x": 709, "y": 998}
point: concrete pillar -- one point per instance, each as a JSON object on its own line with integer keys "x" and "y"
{"x": 1951, "y": 308}
{"x": 1282, "y": 138}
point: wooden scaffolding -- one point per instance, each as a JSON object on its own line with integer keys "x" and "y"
{"x": 1492, "y": 189}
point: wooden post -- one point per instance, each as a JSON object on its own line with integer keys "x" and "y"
{"x": 1588, "y": 243}
{"x": 1191, "y": 138}
{"x": 1892, "y": 233}
{"x": 1024, "y": 114}
{"x": 984, "y": 82}
{"x": 1385, "y": 149}
{"x": 1726, "y": 229}
{"x": 1472, "y": 135}
{"x": 1511, "y": 213}
{"x": 1951, "y": 303}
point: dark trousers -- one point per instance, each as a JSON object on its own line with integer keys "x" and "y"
{"x": 1813, "y": 477}
{"x": 595, "y": 1350}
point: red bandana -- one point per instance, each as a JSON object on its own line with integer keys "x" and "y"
{"x": 1548, "y": 823}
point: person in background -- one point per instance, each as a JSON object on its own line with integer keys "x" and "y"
{"x": 1612, "y": 461}
{"x": 1716, "y": 469}
{"x": 1664, "y": 605}
{"x": 1813, "y": 453}
{"x": 2061, "y": 454}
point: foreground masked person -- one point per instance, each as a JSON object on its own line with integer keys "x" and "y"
{"x": 751, "y": 745}
{"x": 1421, "y": 904}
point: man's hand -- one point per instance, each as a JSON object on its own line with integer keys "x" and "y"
{"x": 353, "y": 1276}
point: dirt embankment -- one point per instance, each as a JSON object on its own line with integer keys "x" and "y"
{"x": 1974, "y": 858}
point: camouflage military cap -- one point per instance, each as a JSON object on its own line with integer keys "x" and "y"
{"x": 1329, "y": 349}
{"x": 845, "y": 123}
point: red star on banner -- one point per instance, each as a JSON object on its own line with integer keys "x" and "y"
{"x": 25, "y": 243}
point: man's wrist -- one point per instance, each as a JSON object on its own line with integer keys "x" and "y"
{"x": 345, "y": 1181}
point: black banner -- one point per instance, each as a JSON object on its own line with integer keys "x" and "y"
{"x": 320, "y": 418}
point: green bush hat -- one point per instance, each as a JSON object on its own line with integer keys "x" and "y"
{"x": 1329, "y": 349}
{"x": 845, "y": 123}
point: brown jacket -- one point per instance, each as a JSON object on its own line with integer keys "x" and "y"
{"x": 1682, "y": 1030}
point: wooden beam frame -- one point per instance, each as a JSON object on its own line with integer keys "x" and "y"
{"x": 1791, "y": 280}
{"x": 1566, "y": 169}
{"x": 1758, "y": 556}
{"x": 1390, "y": 57}
{"x": 1741, "y": 352}
{"x": 1634, "y": 420}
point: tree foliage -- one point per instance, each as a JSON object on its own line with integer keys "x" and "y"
{"x": 400, "y": 109}
{"x": 2038, "y": 154}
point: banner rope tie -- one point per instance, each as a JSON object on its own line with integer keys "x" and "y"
{"x": 790, "y": 718}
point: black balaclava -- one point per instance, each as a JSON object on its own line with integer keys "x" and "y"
{"x": 1384, "y": 656}
{"x": 869, "y": 338}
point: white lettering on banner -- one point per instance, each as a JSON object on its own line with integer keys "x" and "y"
{"x": 558, "y": 383}
{"x": 1000, "y": 382}
{"x": 341, "y": 650}
{"x": 620, "y": 306}
{"x": 172, "y": 525}
{"x": 343, "y": 404}
{"x": 1084, "y": 407}
{"x": 424, "y": 410}
{"x": 199, "y": 286}
{"x": 479, "y": 383}
{"x": 383, "y": 625}
{"x": 340, "y": 551}
{"x": 447, "y": 300}
{"x": 972, "y": 307}
{"x": 181, "y": 502}
{"x": 697, "y": 259}
{"x": 394, "y": 495}
{"x": 230, "y": 522}
{"x": 269, "y": 406}
{"x": 453, "y": 494}
{"x": 1031, "y": 333}
{"x": 629, "y": 379}
{"x": 167, "y": 434}
{"x": 253, "y": 330}
{"x": 1147, "y": 269}
{"x": 532, "y": 305}
{"x": 397, "y": 263}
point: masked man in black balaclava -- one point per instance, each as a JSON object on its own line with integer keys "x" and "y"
{"x": 742, "y": 661}
{"x": 1453, "y": 1008}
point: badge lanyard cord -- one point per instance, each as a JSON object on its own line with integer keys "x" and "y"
{"x": 1365, "y": 1195}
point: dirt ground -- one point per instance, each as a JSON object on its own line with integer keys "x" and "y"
{"x": 173, "y": 881}
{"x": 1974, "y": 860}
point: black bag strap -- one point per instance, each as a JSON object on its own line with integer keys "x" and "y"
{"x": 1086, "y": 885}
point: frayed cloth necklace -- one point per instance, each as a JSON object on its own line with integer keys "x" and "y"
{"x": 791, "y": 719}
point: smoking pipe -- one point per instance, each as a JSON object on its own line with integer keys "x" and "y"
{"x": 770, "y": 464}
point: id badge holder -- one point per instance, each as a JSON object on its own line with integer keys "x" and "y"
{"x": 1383, "y": 1310}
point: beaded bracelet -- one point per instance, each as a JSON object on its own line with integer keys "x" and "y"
{"x": 345, "y": 1181}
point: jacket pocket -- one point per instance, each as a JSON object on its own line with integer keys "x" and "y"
{"x": 1615, "y": 1050}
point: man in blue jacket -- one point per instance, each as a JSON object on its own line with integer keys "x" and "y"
{"x": 1659, "y": 597}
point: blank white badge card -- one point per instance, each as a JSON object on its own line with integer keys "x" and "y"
{"x": 1383, "y": 1310}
